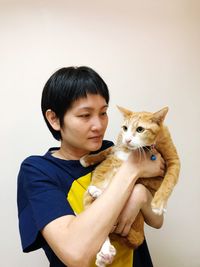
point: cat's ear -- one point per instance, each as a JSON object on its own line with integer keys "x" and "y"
{"x": 159, "y": 116}
{"x": 125, "y": 111}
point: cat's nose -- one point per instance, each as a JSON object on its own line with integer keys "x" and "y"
{"x": 128, "y": 141}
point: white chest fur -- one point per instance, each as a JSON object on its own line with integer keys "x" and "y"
{"x": 122, "y": 155}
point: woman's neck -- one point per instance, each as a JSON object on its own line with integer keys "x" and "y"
{"x": 67, "y": 154}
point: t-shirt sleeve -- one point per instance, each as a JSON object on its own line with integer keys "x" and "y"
{"x": 106, "y": 144}
{"x": 40, "y": 201}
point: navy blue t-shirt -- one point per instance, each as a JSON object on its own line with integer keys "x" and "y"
{"x": 43, "y": 186}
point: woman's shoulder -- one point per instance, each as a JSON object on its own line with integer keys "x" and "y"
{"x": 37, "y": 169}
{"x": 38, "y": 159}
{"x": 33, "y": 160}
{"x": 42, "y": 163}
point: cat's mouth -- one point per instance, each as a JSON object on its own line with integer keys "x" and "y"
{"x": 146, "y": 148}
{"x": 131, "y": 147}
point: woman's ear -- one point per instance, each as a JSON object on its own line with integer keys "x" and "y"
{"x": 53, "y": 119}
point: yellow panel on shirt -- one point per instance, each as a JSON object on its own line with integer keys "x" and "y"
{"x": 124, "y": 256}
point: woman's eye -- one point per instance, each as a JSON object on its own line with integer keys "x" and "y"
{"x": 84, "y": 115}
{"x": 125, "y": 128}
{"x": 104, "y": 113}
{"x": 140, "y": 129}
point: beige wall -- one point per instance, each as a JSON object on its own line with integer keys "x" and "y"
{"x": 149, "y": 54}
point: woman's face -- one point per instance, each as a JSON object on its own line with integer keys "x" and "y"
{"x": 84, "y": 125}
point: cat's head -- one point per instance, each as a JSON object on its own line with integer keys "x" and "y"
{"x": 140, "y": 129}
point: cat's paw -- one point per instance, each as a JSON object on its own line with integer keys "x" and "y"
{"x": 105, "y": 256}
{"x": 84, "y": 162}
{"x": 94, "y": 191}
{"x": 159, "y": 208}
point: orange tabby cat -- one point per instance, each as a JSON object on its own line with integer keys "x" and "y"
{"x": 140, "y": 130}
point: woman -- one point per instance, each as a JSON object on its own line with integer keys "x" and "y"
{"x": 51, "y": 187}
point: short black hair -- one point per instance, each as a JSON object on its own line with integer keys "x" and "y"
{"x": 67, "y": 85}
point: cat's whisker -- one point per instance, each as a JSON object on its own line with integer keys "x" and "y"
{"x": 143, "y": 152}
{"x": 147, "y": 148}
{"x": 140, "y": 154}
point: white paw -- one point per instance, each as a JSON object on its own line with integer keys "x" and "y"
{"x": 94, "y": 191}
{"x": 83, "y": 162}
{"x": 105, "y": 256}
{"x": 159, "y": 210}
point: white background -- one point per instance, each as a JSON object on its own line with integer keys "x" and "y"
{"x": 148, "y": 52}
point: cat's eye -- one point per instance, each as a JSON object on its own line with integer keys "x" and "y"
{"x": 140, "y": 129}
{"x": 125, "y": 128}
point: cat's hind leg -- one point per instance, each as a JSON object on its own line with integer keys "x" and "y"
{"x": 91, "y": 194}
{"x": 106, "y": 254}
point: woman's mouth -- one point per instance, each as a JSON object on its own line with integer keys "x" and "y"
{"x": 96, "y": 137}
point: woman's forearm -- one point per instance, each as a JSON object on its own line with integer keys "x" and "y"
{"x": 72, "y": 238}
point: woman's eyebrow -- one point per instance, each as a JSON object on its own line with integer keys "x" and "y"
{"x": 91, "y": 108}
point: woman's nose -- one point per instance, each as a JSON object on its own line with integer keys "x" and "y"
{"x": 96, "y": 124}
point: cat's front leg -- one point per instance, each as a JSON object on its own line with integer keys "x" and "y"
{"x": 106, "y": 254}
{"x": 92, "y": 159}
{"x": 94, "y": 191}
{"x": 158, "y": 205}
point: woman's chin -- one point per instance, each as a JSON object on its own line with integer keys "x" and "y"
{"x": 95, "y": 146}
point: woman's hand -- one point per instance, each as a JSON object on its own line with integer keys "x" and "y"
{"x": 126, "y": 218}
{"x": 145, "y": 166}
{"x": 139, "y": 200}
